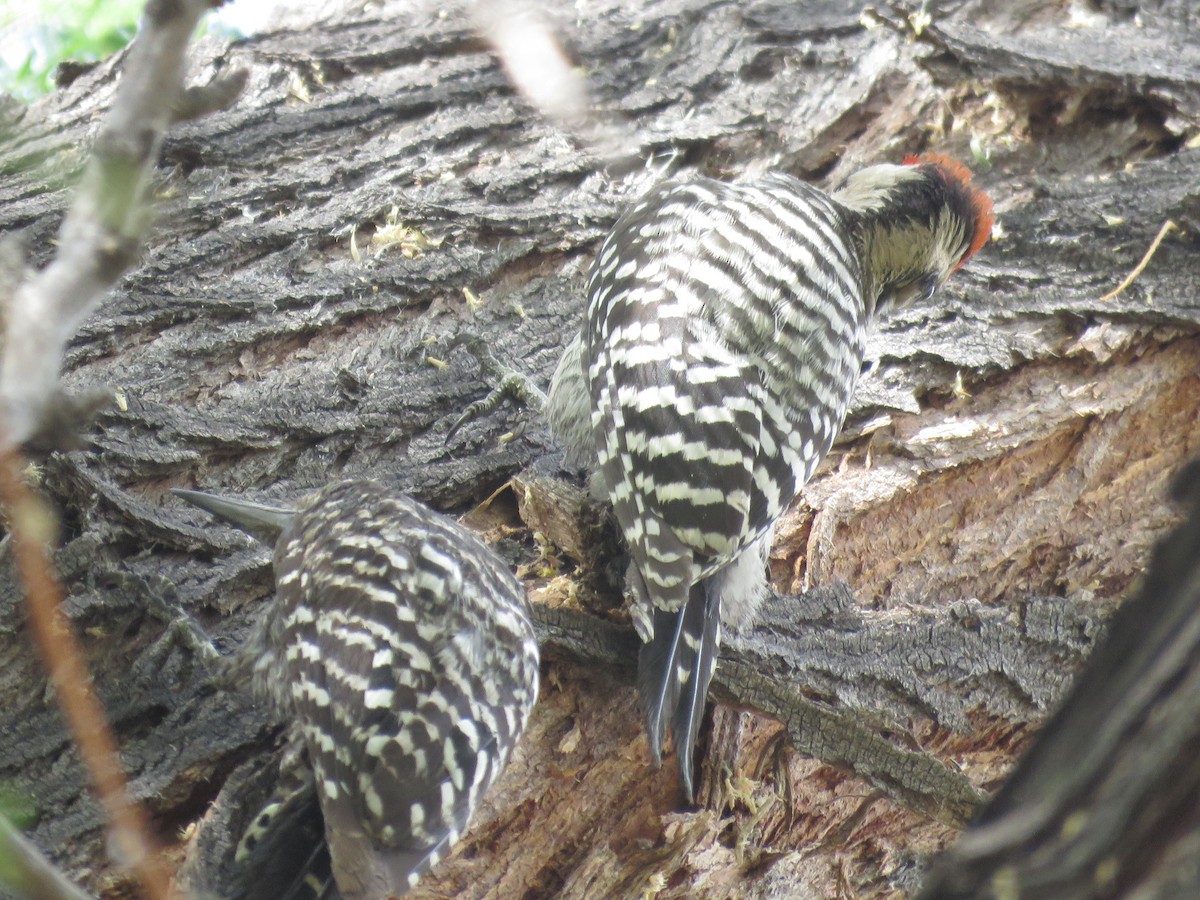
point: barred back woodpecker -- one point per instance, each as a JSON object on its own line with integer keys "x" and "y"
{"x": 402, "y": 649}
{"x": 725, "y": 331}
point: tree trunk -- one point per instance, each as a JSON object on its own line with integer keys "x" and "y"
{"x": 1104, "y": 802}
{"x": 997, "y": 491}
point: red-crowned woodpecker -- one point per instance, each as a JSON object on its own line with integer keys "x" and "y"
{"x": 725, "y": 332}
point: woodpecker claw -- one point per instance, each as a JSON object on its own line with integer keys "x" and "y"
{"x": 180, "y": 631}
{"x": 509, "y": 383}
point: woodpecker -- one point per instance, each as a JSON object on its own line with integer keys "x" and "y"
{"x": 402, "y": 649}
{"x": 724, "y": 333}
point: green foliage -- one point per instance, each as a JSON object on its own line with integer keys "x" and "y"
{"x": 16, "y": 806}
{"x": 55, "y": 30}
{"x": 18, "y": 809}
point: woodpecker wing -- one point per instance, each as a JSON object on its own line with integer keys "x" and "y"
{"x": 674, "y": 423}
{"x": 723, "y": 328}
{"x": 409, "y": 653}
{"x": 686, "y": 509}
{"x": 709, "y": 308}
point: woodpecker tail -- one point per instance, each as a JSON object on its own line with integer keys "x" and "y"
{"x": 315, "y": 879}
{"x": 674, "y": 671}
{"x": 284, "y": 847}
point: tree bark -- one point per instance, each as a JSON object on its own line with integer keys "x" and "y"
{"x": 997, "y": 491}
{"x": 1103, "y": 804}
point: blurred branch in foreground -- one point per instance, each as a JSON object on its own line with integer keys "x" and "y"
{"x": 101, "y": 235}
{"x": 27, "y": 872}
{"x": 100, "y": 238}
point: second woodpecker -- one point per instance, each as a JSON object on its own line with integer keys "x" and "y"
{"x": 401, "y": 650}
{"x": 726, "y": 328}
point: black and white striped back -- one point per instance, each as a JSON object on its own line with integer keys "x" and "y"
{"x": 724, "y": 336}
{"x": 406, "y": 652}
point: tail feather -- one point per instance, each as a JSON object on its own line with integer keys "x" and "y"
{"x": 284, "y": 855}
{"x": 658, "y": 681}
{"x": 315, "y": 880}
{"x": 674, "y": 671}
{"x": 689, "y": 712}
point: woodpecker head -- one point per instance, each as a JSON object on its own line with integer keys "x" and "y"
{"x": 916, "y": 223}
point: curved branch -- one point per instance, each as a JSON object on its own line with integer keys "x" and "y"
{"x": 102, "y": 233}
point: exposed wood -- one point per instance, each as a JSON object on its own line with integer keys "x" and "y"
{"x": 1103, "y": 805}
{"x": 1000, "y": 486}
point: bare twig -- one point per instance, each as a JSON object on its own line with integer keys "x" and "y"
{"x": 1167, "y": 227}
{"x": 535, "y": 62}
{"x": 99, "y": 239}
{"x": 31, "y": 525}
{"x": 533, "y": 57}
{"x": 102, "y": 231}
{"x": 219, "y": 94}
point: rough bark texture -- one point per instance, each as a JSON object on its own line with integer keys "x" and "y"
{"x": 1103, "y": 804}
{"x": 1001, "y": 483}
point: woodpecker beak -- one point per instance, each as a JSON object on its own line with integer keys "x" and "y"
{"x": 264, "y": 523}
{"x": 919, "y": 290}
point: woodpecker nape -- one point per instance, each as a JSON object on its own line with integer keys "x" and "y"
{"x": 401, "y": 650}
{"x": 724, "y": 334}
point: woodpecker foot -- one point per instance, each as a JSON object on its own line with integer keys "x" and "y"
{"x": 181, "y": 632}
{"x": 508, "y": 383}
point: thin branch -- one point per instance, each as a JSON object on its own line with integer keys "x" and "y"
{"x": 534, "y": 60}
{"x": 99, "y": 239}
{"x": 531, "y": 52}
{"x": 32, "y": 525}
{"x": 1167, "y": 227}
{"x": 102, "y": 232}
